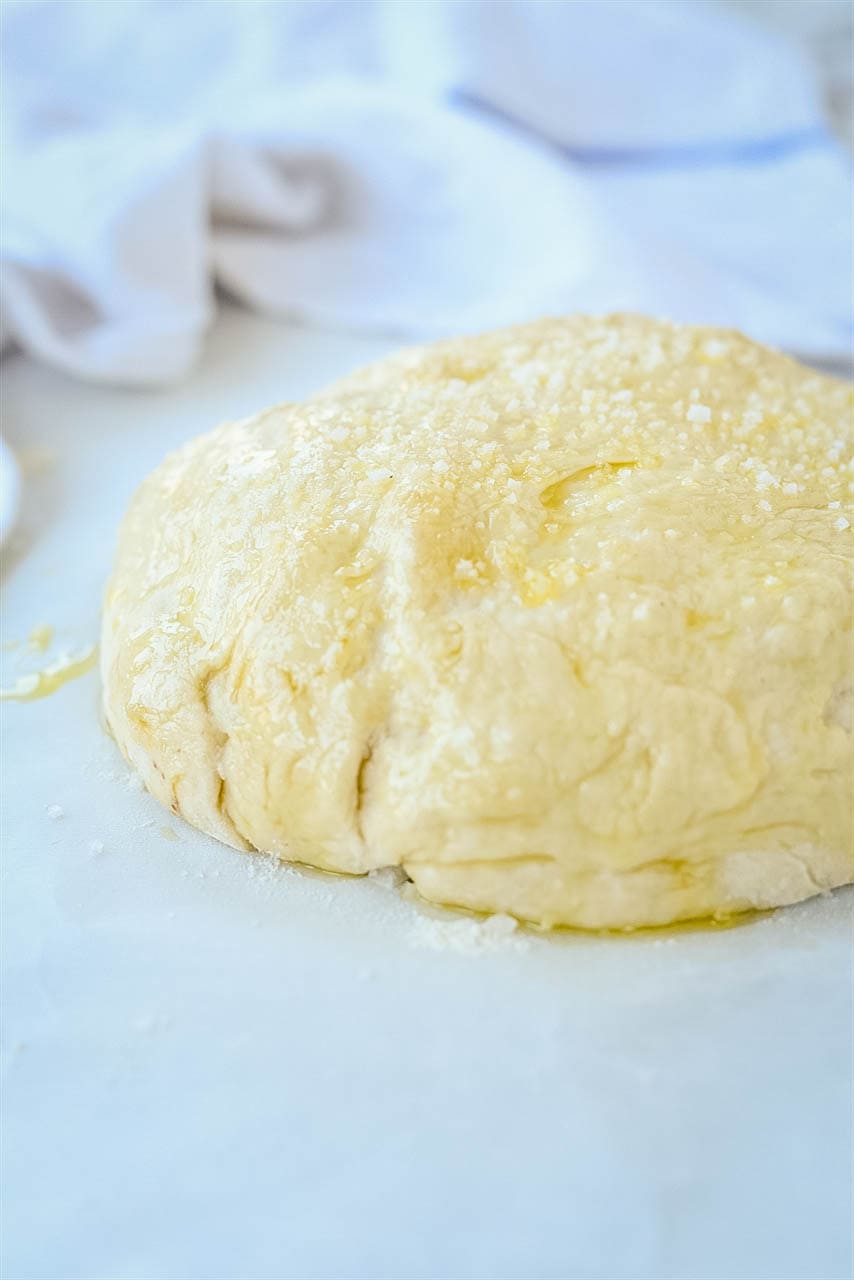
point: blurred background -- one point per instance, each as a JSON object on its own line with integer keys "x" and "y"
{"x": 824, "y": 30}
{"x": 414, "y": 168}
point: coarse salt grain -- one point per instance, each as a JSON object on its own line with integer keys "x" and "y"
{"x": 55, "y": 812}
{"x": 699, "y": 413}
{"x": 465, "y": 571}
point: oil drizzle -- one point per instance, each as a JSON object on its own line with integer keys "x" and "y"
{"x": 39, "y": 684}
{"x": 568, "y": 933}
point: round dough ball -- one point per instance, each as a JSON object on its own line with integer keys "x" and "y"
{"x": 558, "y": 619}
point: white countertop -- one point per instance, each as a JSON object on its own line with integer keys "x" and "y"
{"x": 214, "y": 1068}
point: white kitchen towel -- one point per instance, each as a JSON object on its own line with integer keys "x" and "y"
{"x": 415, "y": 167}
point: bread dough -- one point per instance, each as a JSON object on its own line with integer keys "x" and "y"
{"x": 557, "y": 618}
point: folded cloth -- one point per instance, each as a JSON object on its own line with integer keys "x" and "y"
{"x": 414, "y": 169}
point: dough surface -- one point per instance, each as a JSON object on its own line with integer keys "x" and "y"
{"x": 558, "y": 619}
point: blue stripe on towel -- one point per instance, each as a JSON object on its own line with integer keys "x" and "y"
{"x": 683, "y": 156}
